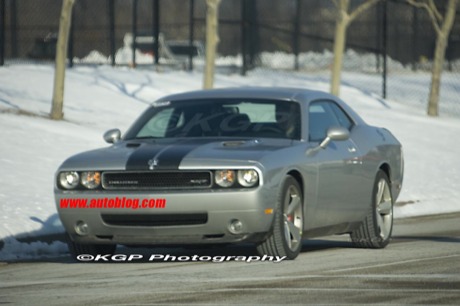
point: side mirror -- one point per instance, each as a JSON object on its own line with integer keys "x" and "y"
{"x": 335, "y": 133}
{"x": 112, "y": 136}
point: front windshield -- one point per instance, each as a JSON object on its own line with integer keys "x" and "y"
{"x": 220, "y": 118}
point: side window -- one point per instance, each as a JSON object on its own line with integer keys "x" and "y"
{"x": 324, "y": 114}
{"x": 342, "y": 117}
{"x": 320, "y": 118}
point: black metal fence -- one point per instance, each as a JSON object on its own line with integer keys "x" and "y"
{"x": 293, "y": 35}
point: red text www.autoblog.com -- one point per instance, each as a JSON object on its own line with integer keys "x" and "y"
{"x": 117, "y": 202}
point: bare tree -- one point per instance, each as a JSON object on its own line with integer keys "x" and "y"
{"x": 212, "y": 39}
{"x": 344, "y": 18}
{"x": 61, "y": 52}
{"x": 442, "y": 25}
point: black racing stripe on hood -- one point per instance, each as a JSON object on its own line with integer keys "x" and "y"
{"x": 172, "y": 156}
{"x": 139, "y": 159}
{"x": 166, "y": 156}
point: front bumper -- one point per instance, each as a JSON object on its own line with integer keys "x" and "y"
{"x": 254, "y": 208}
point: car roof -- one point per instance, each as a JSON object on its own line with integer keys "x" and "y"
{"x": 276, "y": 93}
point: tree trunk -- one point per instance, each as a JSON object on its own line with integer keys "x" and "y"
{"x": 439, "y": 55}
{"x": 433, "y": 102}
{"x": 212, "y": 39}
{"x": 61, "y": 54}
{"x": 339, "y": 48}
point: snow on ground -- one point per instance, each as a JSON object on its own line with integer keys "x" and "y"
{"x": 98, "y": 98}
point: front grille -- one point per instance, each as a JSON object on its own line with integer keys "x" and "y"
{"x": 156, "y": 180}
{"x": 155, "y": 220}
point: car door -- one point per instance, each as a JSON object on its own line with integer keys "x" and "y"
{"x": 338, "y": 193}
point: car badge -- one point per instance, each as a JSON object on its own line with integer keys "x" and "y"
{"x": 153, "y": 163}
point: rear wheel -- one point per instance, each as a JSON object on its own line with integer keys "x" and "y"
{"x": 76, "y": 249}
{"x": 286, "y": 236}
{"x": 375, "y": 231}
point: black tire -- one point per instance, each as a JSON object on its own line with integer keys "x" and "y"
{"x": 76, "y": 249}
{"x": 285, "y": 238}
{"x": 375, "y": 231}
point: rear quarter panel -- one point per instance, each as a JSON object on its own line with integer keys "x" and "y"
{"x": 380, "y": 149}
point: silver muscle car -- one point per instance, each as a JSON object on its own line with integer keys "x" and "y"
{"x": 270, "y": 166}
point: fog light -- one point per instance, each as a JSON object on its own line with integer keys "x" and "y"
{"x": 235, "y": 226}
{"x": 81, "y": 228}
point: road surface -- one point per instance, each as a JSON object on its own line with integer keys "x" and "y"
{"x": 421, "y": 266}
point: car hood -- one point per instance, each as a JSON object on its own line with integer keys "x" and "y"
{"x": 136, "y": 155}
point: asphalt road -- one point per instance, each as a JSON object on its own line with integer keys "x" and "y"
{"x": 421, "y": 266}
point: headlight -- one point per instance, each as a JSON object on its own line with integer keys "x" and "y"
{"x": 69, "y": 179}
{"x": 247, "y": 178}
{"x": 91, "y": 179}
{"x": 224, "y": 178}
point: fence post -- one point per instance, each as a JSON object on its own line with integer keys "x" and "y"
{"x": 385, "y": 48}
{"x": 191, "y": 32}
{"x": 14, "y": 29}
{"x": 296, "y": 34}
{"x": 156, "y": 30}
{"x": 244, "y": 68}
{"x": 2, "y": 32}
{"x": 378, "y": 36}
{"x": 71, "y": 40}
{"x": 134, "y": 32}
{"x": 414, "y": 37}
{"x": 111, "y": 4}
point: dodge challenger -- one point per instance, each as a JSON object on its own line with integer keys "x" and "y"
{"x": 268, "y": 166}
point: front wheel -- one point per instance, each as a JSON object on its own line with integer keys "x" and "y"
{"x": 375, "y": 231}
{"x": 285, "y": 238}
